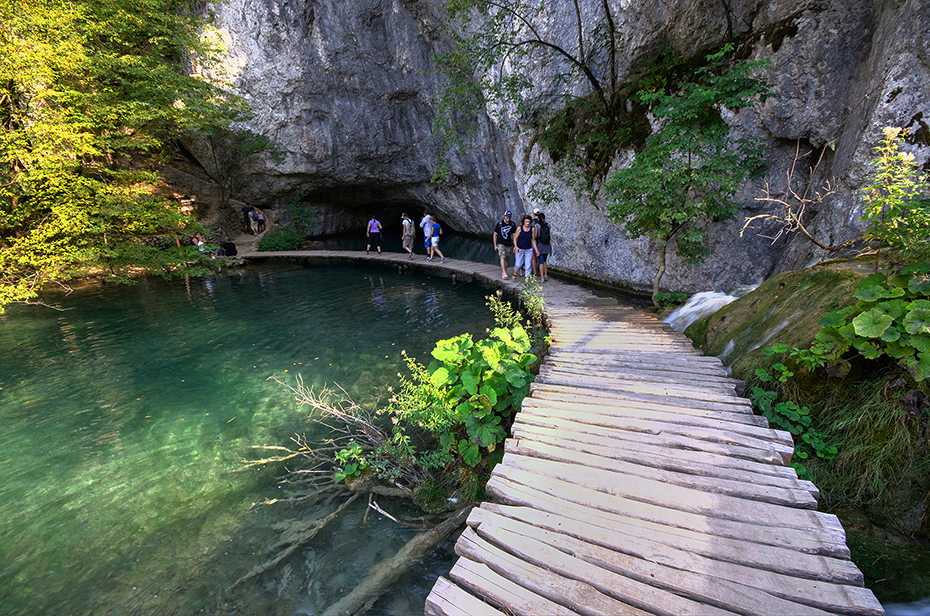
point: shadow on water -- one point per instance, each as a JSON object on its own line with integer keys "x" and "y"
{"x": 127, "y": 416}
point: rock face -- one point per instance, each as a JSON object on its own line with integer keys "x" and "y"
{"x": 346, "y": 90}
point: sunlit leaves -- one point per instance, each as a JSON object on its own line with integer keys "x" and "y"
{"x": 87, "y": 89}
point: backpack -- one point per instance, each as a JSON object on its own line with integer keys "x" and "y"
{"x": 543, "y": 236}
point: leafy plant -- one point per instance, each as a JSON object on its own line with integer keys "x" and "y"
{"x": 788, "y": 415}
{"x": 352, "y": 461}
{"x": 896, "y": 205}
{"x": 281, "y": 239}
{"x": 452, "y": 414}
{"x": 891, "y": 316}
{"x": 671, "y": 299}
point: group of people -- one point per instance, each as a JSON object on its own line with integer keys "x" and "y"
{"x": 253, "y": 219}
{"x": 530, "y": 242}
{"x": 227, "y": 247}
{"x": 431, "y": 232}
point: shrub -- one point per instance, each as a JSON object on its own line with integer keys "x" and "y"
{"x": 281, "y": 239}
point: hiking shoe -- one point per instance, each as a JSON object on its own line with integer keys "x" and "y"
{"x": 443, "y": 260}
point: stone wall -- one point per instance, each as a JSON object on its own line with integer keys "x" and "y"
{"x": 346, "y": 87}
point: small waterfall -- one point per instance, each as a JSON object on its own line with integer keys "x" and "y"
{"x": 698, "y": 306}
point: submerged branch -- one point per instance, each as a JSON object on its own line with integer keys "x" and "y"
{"x": 296, "y": 538}
{"x": 388, "y": 571}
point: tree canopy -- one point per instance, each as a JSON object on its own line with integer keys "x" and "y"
{"x": 90, "y": 92}
{"x": 690, "y": 167}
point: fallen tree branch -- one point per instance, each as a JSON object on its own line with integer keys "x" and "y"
{"x": 296, "y": 540}
{"x": 388, "y": 571}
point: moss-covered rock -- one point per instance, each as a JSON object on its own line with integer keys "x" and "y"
{"x": 784, "y": 309}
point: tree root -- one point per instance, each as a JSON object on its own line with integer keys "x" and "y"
{"x": 296, "y": 538}
{"x": 391, "y": 569}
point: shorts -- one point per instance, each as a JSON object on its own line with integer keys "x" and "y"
{"x": 426, "y": 242}
{"x": 434, "y": 240}
{"x": 374, "y": 239}
{"x": 408, "y": 242}
{"x": 504, "y": 251}
{"x": 542, "y": 258}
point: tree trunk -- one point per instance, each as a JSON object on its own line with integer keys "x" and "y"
{"x": 663, "y": 246}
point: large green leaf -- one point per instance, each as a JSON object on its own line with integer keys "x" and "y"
{"x": 441, "y": 377}
{"x": 919, "y": 285}
{"x": 919, "y": 366}
{"x": 470, "y": 453}
{"x": 894, "y": 308}
{"x": 453, "y": 350}
{"x": 517, "y": 378}
{"x": 470, "y": 381}
{"x": 921, "y": 267}
{"x": 836, "y": 318}
{"x": 921, "y": 342}
{"x": 871, "y": 324}
{"x": 917, "y": 321}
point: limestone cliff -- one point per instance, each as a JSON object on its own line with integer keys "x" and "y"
{"x": 345, "y": 87}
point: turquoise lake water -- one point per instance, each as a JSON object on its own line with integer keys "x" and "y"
{"x": 124, "y": 419}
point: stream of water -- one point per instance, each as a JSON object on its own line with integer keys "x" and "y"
{"x": 126, "y": 416}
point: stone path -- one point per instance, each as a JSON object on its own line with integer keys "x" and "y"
{"x": 637, "y": 481}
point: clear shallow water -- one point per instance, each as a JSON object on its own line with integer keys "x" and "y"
{"x": 124, "y": 418}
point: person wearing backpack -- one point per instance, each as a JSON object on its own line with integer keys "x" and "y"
{"x": 543, "y": 245}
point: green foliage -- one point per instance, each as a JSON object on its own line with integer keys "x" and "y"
{"x": 88, "y": 89}
{"x": 303, "y": 215}
{"x": 891, "y": 316}
{"x": 671, "y": 299}
{"x": 896, "y": 205}
{"x": 451, "y": 416}
{"x": 690, "y": 168}
{"x": 789, "y": 416}
{"x": 281, "y": 239}
{"x": 352, "y": 463}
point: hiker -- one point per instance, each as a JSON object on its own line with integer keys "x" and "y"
{"x": 503, "y": 241}
{"x": 524, "y": 242}
{"x": 374, "y": 235}
{"x": 408, "y": 234}
{"x": 544, "y": 245}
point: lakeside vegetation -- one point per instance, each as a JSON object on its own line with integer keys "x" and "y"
{"x": 93, "y": 93}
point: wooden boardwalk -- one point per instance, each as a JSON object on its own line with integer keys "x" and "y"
{"x": 637, "y": 481}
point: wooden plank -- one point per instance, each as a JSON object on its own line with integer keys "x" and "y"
{"x": 447, "y": 599}
{"x": 692, "y": 364}
{"x": 704, "y": 589}
{"x": 668, "y": 391}
{"x": 680, "y": 570}
{"x": 795, "y": 496}
{"x": 681, "y": 460}
{"x": 763, "y": 439}
{"x": 731, "y": 413}
{"x": 668, "y": 438}
{"x": 498, "y": 590}
{"x": 651, "y": 373}
{"x": 731, "y": 541}
{"x": 609, "y": 584}
{"x": 629, "y": 410}
{"x": 660, "y": 494}
{"x": 581, "y": 597}
{"x": 733, "y": 404}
